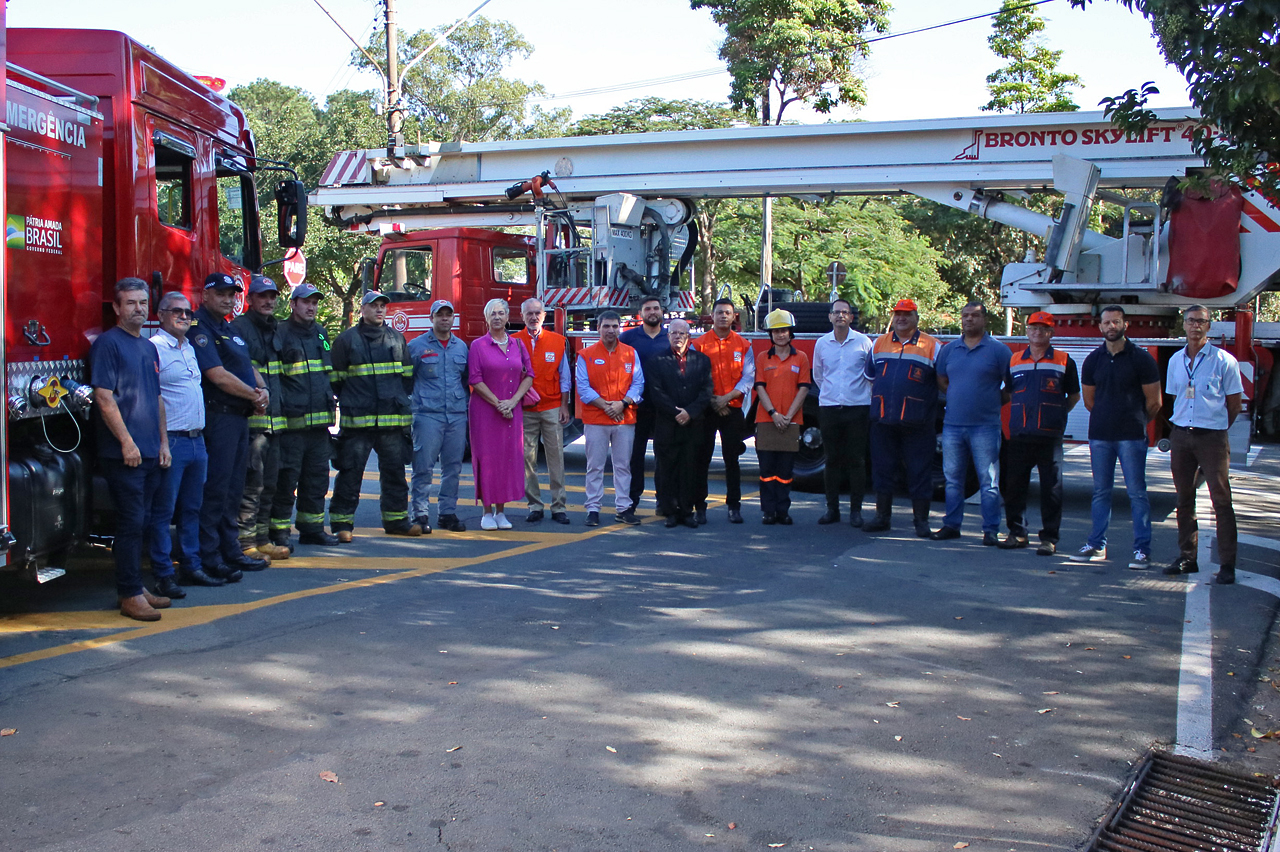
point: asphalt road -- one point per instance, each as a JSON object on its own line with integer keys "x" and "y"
{"x": 562, "y": 688}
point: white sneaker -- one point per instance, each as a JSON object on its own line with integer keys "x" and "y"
{"x": 503, "y": 523}
{"x": 488, "y": 522}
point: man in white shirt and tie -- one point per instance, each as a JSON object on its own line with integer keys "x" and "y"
{"x": 1204, "y": 382}
{"x": 840, "y": 373}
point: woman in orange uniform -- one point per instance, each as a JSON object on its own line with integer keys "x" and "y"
{"x": 782, "y": 382}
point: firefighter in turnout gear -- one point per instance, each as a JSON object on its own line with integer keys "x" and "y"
{"x": 373, "y": 377}
{"x": 307, "y": 403}
{"x": 257, "y": 325}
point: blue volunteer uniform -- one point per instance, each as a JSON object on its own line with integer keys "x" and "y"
{"x": 226, "y": 434}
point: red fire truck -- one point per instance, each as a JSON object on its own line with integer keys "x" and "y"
{"x": 595, "y": 244}
{"x": 116, "y": 163}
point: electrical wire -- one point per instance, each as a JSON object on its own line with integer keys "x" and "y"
{"x": 79, "y": 434}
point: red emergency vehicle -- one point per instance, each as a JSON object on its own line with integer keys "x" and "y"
{"x": 116, "y": 163}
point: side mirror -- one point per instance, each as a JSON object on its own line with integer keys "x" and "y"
{"x": 291, "y": 202}
{"x": 366, "y": 274}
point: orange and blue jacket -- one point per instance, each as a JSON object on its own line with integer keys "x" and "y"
{"x": 904, "y": 384}
{"x": 1040, "y": 390}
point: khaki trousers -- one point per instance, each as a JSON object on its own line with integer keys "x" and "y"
{"x": 544, "y": 425}
{"x": 1205, "y": 451}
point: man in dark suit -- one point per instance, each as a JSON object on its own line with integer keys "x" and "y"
{"x": 680, "y": 389}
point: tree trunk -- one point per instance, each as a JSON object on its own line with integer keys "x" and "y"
{"x": 706, "y": 212}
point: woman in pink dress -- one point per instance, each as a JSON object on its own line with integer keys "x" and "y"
{"x": 500, "y": 373}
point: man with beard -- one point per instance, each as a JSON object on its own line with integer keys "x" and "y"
{"x": 733, "y": 374}
{"x": 649, "y": 341}
{"x": 1121, "y": 387}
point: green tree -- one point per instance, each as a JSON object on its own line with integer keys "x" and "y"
{"x": 460, "y": 91}
{"x": 785, "y": 51}
{"x": 1229, "y": 52}
{"x": 1030, "y": 80}
{"x": 644, "y": 115}
{"x": 288, "y": 126}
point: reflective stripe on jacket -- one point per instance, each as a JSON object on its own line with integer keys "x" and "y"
{"x": 1039, "y": 389}
{"x": 904, "y": 385}
{"x": 372, "y": 376}
{"x": 306, "y": 397}
{"x": 259, "y": 334}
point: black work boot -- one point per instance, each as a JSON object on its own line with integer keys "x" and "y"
{"x": 920, "y": 514}
{"x": 884, "y": 508}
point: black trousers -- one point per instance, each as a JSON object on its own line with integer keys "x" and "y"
{"x": 731, "y": 427}
{"x": 304, "y": 469}
{"x": 776, "y": 468}
{"x": 683, "y": 478}
{"x": 910, "y": 446}
{"x": 226, "y": 439}
{"x": 394, "y": 449}
{"x": 844, "y": 437}
{"x": 1020, "y": 457}
{"x": 646, "y": 421}
{"x": 259, "y": 488}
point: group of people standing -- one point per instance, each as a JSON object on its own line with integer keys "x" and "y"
{"x": 220, "y": 427}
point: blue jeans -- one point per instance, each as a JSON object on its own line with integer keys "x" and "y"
{"x": 982, "y": 445}
{"x": 1133, "y": 463}
{"x": 179, "y": 498}
{"x": 443, "y": 437}
{"x": 131, "y": 489}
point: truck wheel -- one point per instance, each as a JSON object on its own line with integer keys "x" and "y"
{"x": 811, "y": 461}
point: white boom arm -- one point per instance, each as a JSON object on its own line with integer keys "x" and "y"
{"x": 961, "y": 162}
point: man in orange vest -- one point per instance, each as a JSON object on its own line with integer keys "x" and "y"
{"x": 546, "y": 419}
{"x": 610, "y": 383}
{"x": 733, "y": 373}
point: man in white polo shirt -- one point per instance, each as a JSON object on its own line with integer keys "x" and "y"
{"x": 1204, "y": 382}
{"x": 840, "y": 360}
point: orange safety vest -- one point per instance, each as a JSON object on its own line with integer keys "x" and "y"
{"x": 728, "y": 359}
{"x": 547, "y": 355}
{"x": 610, "y": 375}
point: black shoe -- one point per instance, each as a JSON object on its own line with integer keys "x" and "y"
{"x": 424, "y": 522}
{"x": 629, "y": 518}
{"x": 319, "y": 537}
{"x": 990, "y": 539}
{"x": 879, "y": 523}
{"x": 1012, "y": 542}
{"x": 248, "y": 563}
{"x": 1047, "y": 548}
{"x": 281, "y": 539}
{"x": 560, "y": 517}
{"x": 945, "y": 533}
{"x": 593, "y": 519}
{"x": 785, "y": 520}
{"x": 832, "y": 516}
{"x": 1183, "y": 565}
{"x": 167, "y": 587}
{"x": 198, "y": 578}
{"x": 224, "y": 572}
{"x": 769, "y": 520}
{"x": 672, "y": 522}
{"x": 700, "y": 516}
{"x": 920, "y": 518}
{"x": 535, "y": 516}
{"x": 735, "y": 516}
{"x": 1226, "y": 576}
{"x": 691, "y": 521}
{"x": 855, "y": 519}
{"x": 451, "y": 523}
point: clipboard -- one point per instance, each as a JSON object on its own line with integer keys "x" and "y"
{"x": 770, "y": 439}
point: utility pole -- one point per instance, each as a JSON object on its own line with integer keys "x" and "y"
{"x": 395, "y": 115}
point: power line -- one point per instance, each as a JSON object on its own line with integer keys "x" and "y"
{"x": 712, "y": 72}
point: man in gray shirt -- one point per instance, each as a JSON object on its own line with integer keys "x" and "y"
{"x": 439, "y": 405}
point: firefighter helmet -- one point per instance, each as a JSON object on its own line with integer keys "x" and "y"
{"x": 779, "y": 319}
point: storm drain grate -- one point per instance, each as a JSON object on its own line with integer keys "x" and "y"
{"x": 1176, "y": 804}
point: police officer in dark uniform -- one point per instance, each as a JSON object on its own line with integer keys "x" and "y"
{"x": 257, "y": 325}
{"x": 232, "y": 391}
{"x": 372, "y": 376}
{"x": 308, "y": 405}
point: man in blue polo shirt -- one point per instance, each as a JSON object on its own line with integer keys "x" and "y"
{"x": 1121, "y": 387}
{"x": 132, "y": 442}
{"x": 233, "y": 390}
{"x": 650, "y": 341}
{"x": 1204, "y": 382}
{"x": 972, "y": 371}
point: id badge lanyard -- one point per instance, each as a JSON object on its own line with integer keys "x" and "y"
{"x": 1191, "y": 373}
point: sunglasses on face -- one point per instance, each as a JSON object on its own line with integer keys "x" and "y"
{"x": 180, "y": 313}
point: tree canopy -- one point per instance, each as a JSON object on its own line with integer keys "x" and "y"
{"x": 1030, "y": 80}
{"x": 795, "y": 50}
{"x": 650, "y": 115}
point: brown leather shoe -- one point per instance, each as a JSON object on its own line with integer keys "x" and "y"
{"x": 344, "y": 536}
{"x": 139, "y": 608}
{"x": 153, "y": 600}
{"x": 274, "y": 552}
{"x": 412, "y": 530}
